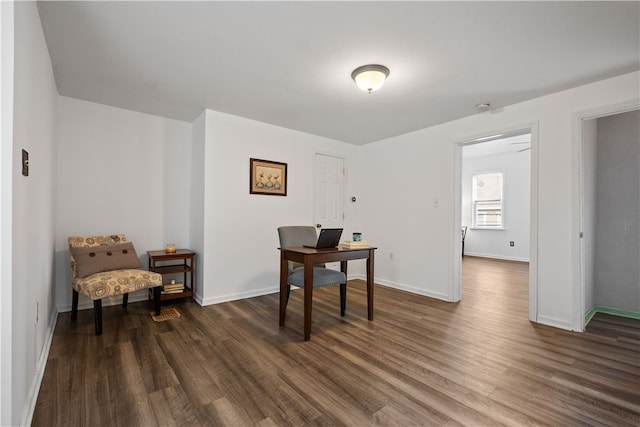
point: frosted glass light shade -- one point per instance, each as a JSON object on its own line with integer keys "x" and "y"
{"x": 370, "y": 77}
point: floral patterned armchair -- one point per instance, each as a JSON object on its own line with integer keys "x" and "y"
{"x": 106, "y": 266}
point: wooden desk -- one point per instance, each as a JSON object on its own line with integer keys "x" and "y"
{"x": 310, "y": 257}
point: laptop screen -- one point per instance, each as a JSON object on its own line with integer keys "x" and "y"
{"x": 329, "y": 238}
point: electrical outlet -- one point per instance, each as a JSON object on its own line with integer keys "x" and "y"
{"x": 512, "y": 243}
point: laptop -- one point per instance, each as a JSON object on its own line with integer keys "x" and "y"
{"x": 328, "y": 239}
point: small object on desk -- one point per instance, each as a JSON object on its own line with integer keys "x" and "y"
{"x": 350, "y": 244}
{"x": 170, "y": 248}
{"x": 357, "y": 237}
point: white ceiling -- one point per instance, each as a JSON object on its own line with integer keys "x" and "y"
{"x": 499, "y": 144}
{"x": 290, "y": 63}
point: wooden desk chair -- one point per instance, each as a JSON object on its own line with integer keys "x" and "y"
{"x": 106, "y": 266}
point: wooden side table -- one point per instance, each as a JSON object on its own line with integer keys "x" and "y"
{"x": 182, "y": 261}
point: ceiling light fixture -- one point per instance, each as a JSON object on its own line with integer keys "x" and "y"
{"x": 485, "y": 106}
{"x": 370, "y": 77}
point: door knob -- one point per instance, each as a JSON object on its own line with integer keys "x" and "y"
{"x": 318, "y": 225}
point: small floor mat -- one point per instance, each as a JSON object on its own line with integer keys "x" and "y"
{"x": 166, "y": 313}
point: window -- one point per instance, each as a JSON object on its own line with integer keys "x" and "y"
{"x": 487, "y": 200}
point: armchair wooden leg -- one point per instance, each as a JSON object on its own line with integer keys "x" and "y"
{"x": 97, "y": 313}
{"x": 288, "y": 293}
{"x": 343, "y": 298}
{"x": 156, "y": 299}
{"x": 125, "y": 300}
{"x": 74, "y": 305}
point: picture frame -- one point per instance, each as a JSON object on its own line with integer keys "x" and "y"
{"x": 267, "y": 177}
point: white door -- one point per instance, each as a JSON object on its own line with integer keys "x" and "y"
{"x": 328, "y": 195}
{"x": 328, "y": 192}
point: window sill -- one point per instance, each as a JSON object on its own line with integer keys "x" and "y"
{"x": 487, "y": 228}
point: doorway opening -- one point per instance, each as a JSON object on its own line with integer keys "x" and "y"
{"x": 609, "y": 215}
{"x": 496, "y": 198}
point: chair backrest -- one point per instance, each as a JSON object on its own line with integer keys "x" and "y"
{"x": 295, "y": 236}
{"x": 91, "y": 241}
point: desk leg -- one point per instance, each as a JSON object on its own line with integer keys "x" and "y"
{"x": 343, "y": 289}
{"x": 370, "y": 285}
{"x": 284, "y": 271}
{"x": 308, "y": 297}
{"x": 343, "y": 267}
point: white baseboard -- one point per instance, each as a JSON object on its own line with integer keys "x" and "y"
{"x": 413, "y": 290}
{"x": 251, "y": 294}
{"x": 238, "y": 296}
{"x": 403, "y": 287}
{"x": 273, "y": 290}
{"x": 503, "y": 257}
{"x": 34, "y": 388}
{"x": 556, "y": 323}
{"x": 85, "y": 303}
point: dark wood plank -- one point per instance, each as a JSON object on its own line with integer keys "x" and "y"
{"x": 420, "y": 362}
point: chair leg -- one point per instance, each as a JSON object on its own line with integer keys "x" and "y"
{"x": 156, "y": 299}
{"x": 288, "y": 293}
{"x": 97, "y": 313}
{"x": 343, "y": 298}
{"x": 125, "y": 300}
{"x": 74, "y": 305}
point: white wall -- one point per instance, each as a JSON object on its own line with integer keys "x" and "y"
{"x": 405, "y": 174}
{"x": 119, "y": 171}
{"x": 177, "y": 182}
{"x": 617, "y": 266}
{"x": 33, "y": 215}
{"x": 516, "y": 169}
{"x": 240, "y": 257}
{"x": 196, "y": 210}
{"x": 6, "y": 218}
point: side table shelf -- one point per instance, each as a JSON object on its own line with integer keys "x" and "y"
{"x": 182, "y": 261}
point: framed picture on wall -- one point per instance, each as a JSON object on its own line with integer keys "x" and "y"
{"x": 267, "y": 177}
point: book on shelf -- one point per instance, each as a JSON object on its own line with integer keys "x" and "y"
{"x": 173, "y": 288}
{"x": 350, "y": 244}
{"x": 173, "y": 285}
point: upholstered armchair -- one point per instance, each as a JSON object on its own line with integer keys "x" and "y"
{"x": 106, "y": 266}
{"x": 300, "y": 235}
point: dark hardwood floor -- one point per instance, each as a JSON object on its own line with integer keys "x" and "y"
{"x": 479, "y": 362}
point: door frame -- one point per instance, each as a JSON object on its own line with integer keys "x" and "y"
{"x": 456, "y": 284}
{"x": 578, "y": 267}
